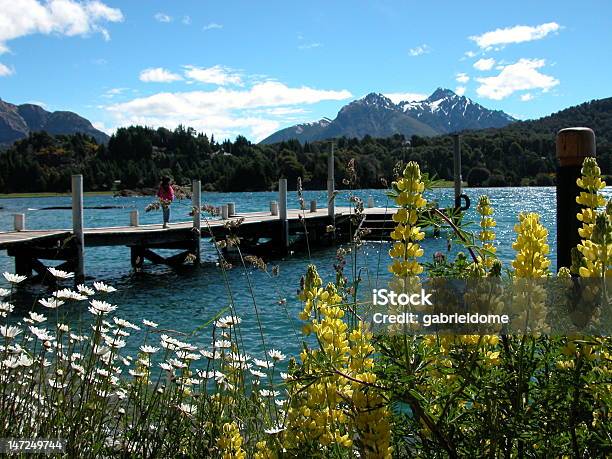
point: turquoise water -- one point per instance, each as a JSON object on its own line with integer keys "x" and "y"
{"x": 185, "y": 300}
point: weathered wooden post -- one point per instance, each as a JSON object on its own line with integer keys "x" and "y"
{"x": 196, "y": 203}
{"x": 370, "y": 202}
{"x": 224, "y": 212}
{"x": 457, "y": 168}
{"x": 282, "y": 212}
{"x": 330, "y": 184}
{"x": 313, "y": 205}
{"x": 134, "y": 218}
{"x": 77, "y": 227}
{"x": 19, "y": 222}
{"x": 573, "y": 145}
{"x": 231, "y": 209}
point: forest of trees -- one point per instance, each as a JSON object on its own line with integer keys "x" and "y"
{"x": 136, "y": 157}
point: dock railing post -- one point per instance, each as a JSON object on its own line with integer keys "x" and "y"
{"x": 134, "y": 218}
{"x": 196, "y": 197}
{"x": 330, "y": 184}
{"x": 572, "y": 145}
{"x": 282, "y": 212}
{"x": 457, "y": 168}
{"x": 19, "y": 222}
{"x": 77, "y": 227}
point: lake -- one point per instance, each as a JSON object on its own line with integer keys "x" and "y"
{"x": 187, "y": 299}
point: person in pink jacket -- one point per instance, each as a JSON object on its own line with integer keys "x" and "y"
{"x": 166, "y": 196}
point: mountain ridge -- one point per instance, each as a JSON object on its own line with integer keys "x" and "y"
{"x": 443, "y": 112}
{"x": 18, "y": 121}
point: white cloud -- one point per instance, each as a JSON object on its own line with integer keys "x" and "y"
{"x": 460, "y": 90}
{"x": 397, "y": 97}
{"x": 5, "y": 71}
{"x": 516, "y": 34}
{"x": 162, "y": 17}
{"x": 470, "y": 54}
{"x": 212, "y": 26}
{"x": 462, "y": 78}
{"x": 113, "y": 92}
{"x": 221, "y": 112}
{"x": 158, "y": 75}
{"x": 419, "y": 50}
{"x": 186, "y": 20}
{"x": 520, "y": 76}
{"x": 310, "y": 46}
{"x": 64, "y": 17}
{"x": 217, "y": 74}
{"x": 484, "y": 64}
{"x": 526, "y": 97}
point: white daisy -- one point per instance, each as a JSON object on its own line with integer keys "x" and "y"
{"x": 102, "y": 287}
{"x": 225, "y": 322}
{"x": 125, "y": 323}
{"x": 4, "y": 292}
{"x": 68, "y": 294}
{"x": 6, "y": 307}
{"x": 9, "y": 332}
{"x": 101, "y": 307}
{"x": 148, "y": 323}
{"x": 85, "y": 290}
{"x": 222, "y": 344}
{"x": 276, "y": 355}
{"x": 274, "y": 430}
{"x": 149, "y": 349}
{"x": 263, "y": 363}
{"x": 59, "y": 274}
{"x": 51, "y": 303}
{"x": 41, "y": 333}
{"x": 38, "y": 318}
{"x": 269, "y": 393}
{"x": 258, "y": 373}
{"x": 14, "y": 278}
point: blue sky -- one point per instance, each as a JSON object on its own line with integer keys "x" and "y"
{"x": 252, "y": 67}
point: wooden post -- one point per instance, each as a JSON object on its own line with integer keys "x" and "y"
{"x": 282, "y": 212}
{"x": 134, "y": 218}
{"x": 273, "y": 207}
{"x": 457, "y": 168}
{"x": 573, "y": 145}
{"x": 77, "y": 227}
{"x": 370, "y": 202}
{"x": 19, "y": 222}
{"x": 196, "y": 203}
{"x": 224, "y": 212}
{"x": 231, "y": 209}
{"x": 313, "y": 205}
{"x": 330, "y": 184}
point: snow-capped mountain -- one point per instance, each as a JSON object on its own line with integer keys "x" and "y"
{"x": 446, "y": 112}
{"x": 377, "y": 116}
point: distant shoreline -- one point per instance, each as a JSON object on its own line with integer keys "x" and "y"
{"x": 142, "y": 193}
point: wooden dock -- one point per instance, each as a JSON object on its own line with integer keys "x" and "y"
{"x": 259, "y": 232}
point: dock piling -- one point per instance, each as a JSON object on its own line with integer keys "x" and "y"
{"x": 273, "y": 207}
{"x": 572, "y": 145}
{"x": 77, "y": 227}
{"x": 134, "y": 218}
{"x": 231, "y": 209}
{"x": 313, "y": 205}
{"x": 370, "y": 202}
{"x": 330, "y": 184}
{"x": 282, "y": 212}
{"x": 19, "y": 222}
{"x": 457, "y": 168}
{"x": 196, "y": 197}
{"x": 224, "y": 212}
